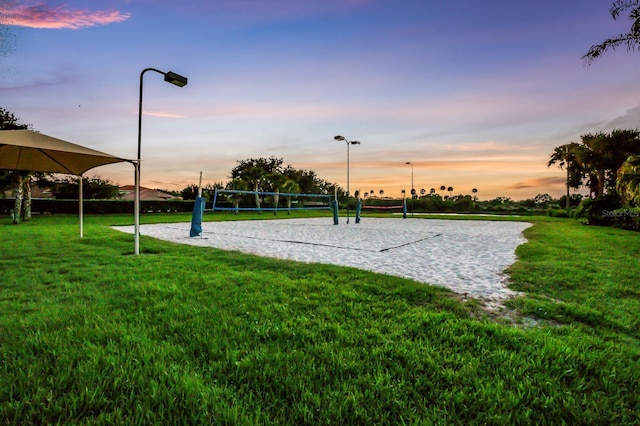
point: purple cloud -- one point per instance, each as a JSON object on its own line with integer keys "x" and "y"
{"x": 41, "y": 15}
{"x": 539, "y": 182}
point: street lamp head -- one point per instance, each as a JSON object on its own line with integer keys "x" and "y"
{"x": 354, "y": 142}
{"x": 408, "y": 162}
{"x": 339, "y": 138}
{"x": 177, "y": 79}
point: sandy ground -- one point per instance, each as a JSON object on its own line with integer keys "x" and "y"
{"x": 468, "y": 257}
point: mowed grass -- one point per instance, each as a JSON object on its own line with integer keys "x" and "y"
{"x": 90, "y": 334}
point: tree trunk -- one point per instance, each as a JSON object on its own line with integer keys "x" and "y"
{"x": 26, "y": 198}
{"x": 255, "y": 188}
{"x": 17, "y": 208}
{"x": 276, "y": 199}
{"x": 600, "y": 183}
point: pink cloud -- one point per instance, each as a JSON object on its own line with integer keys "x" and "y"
{"x": 162, "y": 114}
{"x": 42, "y": 16}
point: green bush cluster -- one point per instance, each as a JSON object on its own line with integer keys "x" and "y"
{"x": 50, "y": 206}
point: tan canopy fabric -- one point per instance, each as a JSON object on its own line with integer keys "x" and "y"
{"x": 32, "y": 151}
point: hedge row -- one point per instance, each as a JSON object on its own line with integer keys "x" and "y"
{"x": 48, "y": 206}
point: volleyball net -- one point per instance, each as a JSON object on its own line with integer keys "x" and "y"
{"x": 398, "y": 207}
{"x": 239, "y": 200}
{"x": 362, "y": 207}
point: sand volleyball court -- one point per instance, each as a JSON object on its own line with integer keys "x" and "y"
{"x": 466, "y": 256}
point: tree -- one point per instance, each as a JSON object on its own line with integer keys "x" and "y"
{"x": 594, "y": 161}
{"x": 253, "y": 176}
{"x": 450, "y": 190}
{"x": 8, "y": 121}
{"x": 474, "y": 191}
{"x": 432, "y": 191}
{"x": 565, "y": 157}
{"x": 20, "y": 180}
{"x": 236, "y": 184}
{"x": 266, "y": 165}
{"x": 423, "y": 192}
{"x": 542, "y": 200}
{"x": 310, "y": 183}
{"x": 631, "y": 39}
{"x": 94, "y": 188}
{"x": 628, "y": 181}
{"x": 190, "y": 192}
{"x": 290, "y": 187}
{"x": 381, "y": 193}
{"x": 443, "y": 188}
{"x": 276, "y": 180}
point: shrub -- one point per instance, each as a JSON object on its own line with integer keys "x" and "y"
{"x": 556, "y": 212}
{"x": 626, "y": 218}
{"x": 597, "y": 210}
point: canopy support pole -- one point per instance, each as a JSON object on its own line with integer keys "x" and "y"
{"x": 81, "y": 206}
{"x": 136, "y": 210}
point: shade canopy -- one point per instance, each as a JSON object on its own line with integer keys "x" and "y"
{"x": 34, "y": 152}
{"x": 31, "y": 151}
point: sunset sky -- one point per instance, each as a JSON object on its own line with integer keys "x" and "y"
{"x": 476, "y": 94}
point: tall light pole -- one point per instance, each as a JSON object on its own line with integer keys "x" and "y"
{"x": 169, "y": 77}
{"x": 413, "y": 191}
{"x": 342, "y": 138}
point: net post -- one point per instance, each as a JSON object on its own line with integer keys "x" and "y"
{"x": 215, "y": 198}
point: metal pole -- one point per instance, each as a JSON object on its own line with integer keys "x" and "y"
{"x": 413, "y": 192}
{"x": 136, "y": 195}
{"x": 173, "y": 79}
{"x": 81, "y": 206}
{"x": 136, "y": 209}
{"x": 412, "y": 189}
{"x": 566, "y": 163}
{"x": 347, "y": 182}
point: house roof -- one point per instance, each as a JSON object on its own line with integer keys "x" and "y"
{"x": 127, "y": 193}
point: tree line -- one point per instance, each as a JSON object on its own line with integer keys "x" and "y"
{"x": 608, "y": 164}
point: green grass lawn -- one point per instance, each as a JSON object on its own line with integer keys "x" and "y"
{"x": 90, "y": 334}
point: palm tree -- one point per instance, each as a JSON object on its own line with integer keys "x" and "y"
{"x": 474, "y": 191}
{"x": 443, "y": 188}
{"x": 253, "y": 176}
{"x": 381, "y": 193}
{"x": 565, "y": 157}
{"x": 432, "y": 191}
{"x": 630, "y": 39}
{"x": 276, "y": 180}
{"x": 290, "y": 187}
{"x": 235, "y": 198}
{"x": 450, "y": 190}
{"x": 628, "y": 182}
{"x": 595, "y": 161}
{"x": 423, "y": 192}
